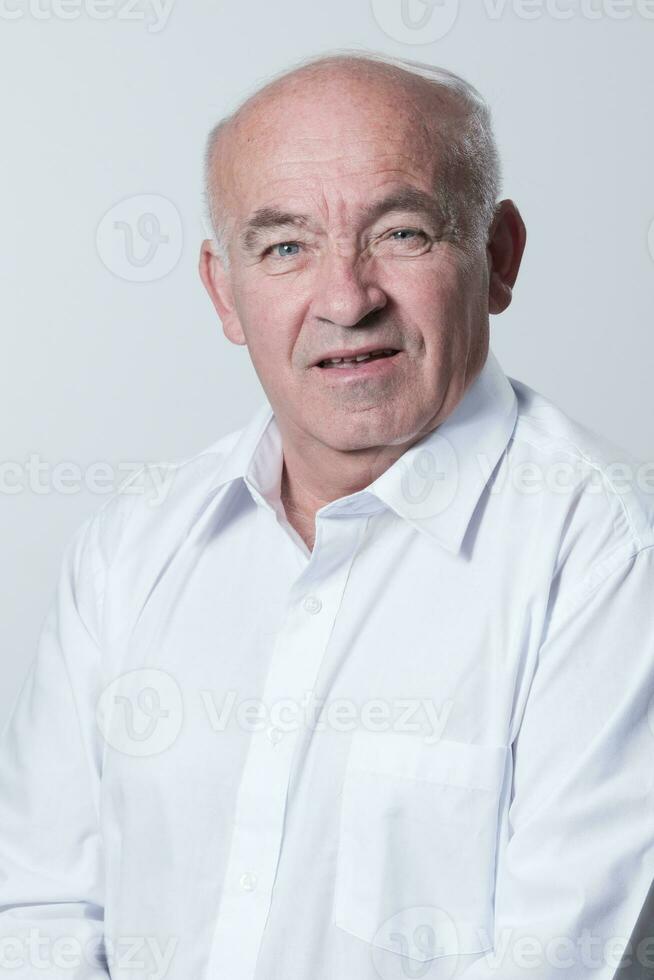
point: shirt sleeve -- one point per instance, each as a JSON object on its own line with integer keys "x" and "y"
{"x": 51, "y": 865}
{"x": 577, "y": 859}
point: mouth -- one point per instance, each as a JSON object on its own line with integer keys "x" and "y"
{"x": 359, "y": 360}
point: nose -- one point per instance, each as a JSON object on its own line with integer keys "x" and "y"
{"x": 341, "y": 295}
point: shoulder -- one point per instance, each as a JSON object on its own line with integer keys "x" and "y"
{"x": 157, "y": 503}
{"x": 592, "y": 495}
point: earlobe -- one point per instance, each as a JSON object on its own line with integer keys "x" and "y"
{"x": 216, "y": 282}
{"x": 500, "y": 295}
{"x": 506, "y": 245}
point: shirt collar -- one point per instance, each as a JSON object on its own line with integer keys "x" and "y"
{"x": 434, "y": 486}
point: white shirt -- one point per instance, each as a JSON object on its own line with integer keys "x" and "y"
{"x": 476, "y": 794}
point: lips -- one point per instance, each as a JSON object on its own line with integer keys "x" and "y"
{"x": 352, "y": 360}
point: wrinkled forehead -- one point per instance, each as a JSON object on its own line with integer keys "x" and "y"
{"x": 341, "y": 138}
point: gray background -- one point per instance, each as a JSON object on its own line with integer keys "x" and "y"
{"x": 99, "y": 366}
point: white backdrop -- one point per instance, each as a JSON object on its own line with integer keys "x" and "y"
{"x": 112, "y": 352}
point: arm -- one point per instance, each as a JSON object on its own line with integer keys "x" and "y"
{"x": 51, "y": 871}
{"x": 577, "y": 856}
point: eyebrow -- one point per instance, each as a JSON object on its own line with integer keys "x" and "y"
{"x": 406, "y": 198}
{"x": 266, "y": 218}
{"x": 410, "y": 199}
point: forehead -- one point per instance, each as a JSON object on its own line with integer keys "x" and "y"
{"x": 341, "y": 141}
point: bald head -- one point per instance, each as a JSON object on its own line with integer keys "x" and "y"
{"x": 360, "y": 98}
{"x": 356, "y": 199}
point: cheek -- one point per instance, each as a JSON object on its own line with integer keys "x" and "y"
{"x": 271, "y": 316}
{"x": 434, "y": 277}
{"x": 431, "y": 298}
{"x": 439, "y": 304}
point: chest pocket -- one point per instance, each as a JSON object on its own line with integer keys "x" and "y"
{"x": 416, "y": 857}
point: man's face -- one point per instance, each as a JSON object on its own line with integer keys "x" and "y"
{"x": 363, "y": 259}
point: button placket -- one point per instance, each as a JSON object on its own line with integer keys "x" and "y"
{"x": 262, "y": 797}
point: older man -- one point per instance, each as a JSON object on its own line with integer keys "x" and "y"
{"x": 367, "y": 694}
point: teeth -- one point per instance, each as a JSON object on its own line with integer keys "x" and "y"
{"x": 358, "y": 359}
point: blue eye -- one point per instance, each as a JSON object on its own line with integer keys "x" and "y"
{"x": 284, "y": 245}
{"x": 407, "y": 231}
{"x": 415, "y": 241}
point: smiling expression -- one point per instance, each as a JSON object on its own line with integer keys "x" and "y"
{"x": 343, "y": 238}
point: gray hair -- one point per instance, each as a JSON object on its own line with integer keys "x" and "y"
{"x": 471, "y": 159}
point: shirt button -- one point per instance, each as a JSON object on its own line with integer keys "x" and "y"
{"x": 248, "y": 881}
{"x": 274, "y": 735}
{"x": 312, "y": 604}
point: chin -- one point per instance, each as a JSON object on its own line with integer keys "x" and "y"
{"x": 364, "y": 432}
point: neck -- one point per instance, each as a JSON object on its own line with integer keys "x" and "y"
{"x": 314, "y": 474}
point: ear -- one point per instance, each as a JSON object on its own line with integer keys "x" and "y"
{"x": 506, "y": 244}
{"x": 217, "y": 284}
